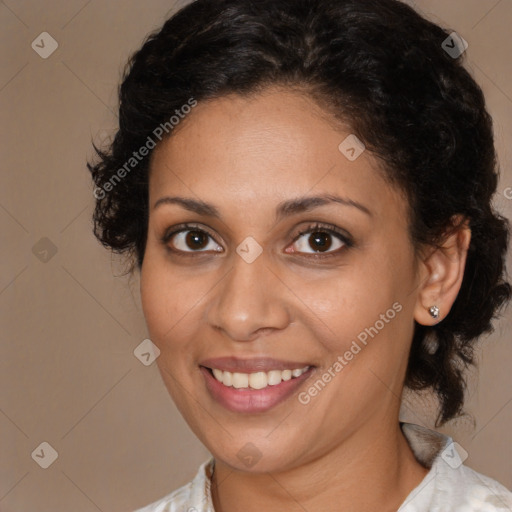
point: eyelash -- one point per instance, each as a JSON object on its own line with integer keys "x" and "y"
{"x": 331, "y": 230}
{"x": 312, "y": 228}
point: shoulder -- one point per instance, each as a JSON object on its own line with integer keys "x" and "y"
{"x": 474, "y": 492}
{"x": 450, "y": 486}
{"x": 192, "y": 497}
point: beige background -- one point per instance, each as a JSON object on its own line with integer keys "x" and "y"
{"x": 68, "y": 375}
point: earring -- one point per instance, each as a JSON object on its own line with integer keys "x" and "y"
{"x": 434, "y": 311}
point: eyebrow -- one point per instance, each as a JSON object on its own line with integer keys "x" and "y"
{"x": 284, "y": 209}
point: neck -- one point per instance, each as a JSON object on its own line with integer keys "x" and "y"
{"x": 357, "y": 475}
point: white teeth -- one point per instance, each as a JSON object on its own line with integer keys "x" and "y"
{"x": 286, "y": 374}
{"x": 257, "y": 380}
{"x": 240, "y": 380}
{"x": 226, "y": 378}
{"x": 274, "y": 377}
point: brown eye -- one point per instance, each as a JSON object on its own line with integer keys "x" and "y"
{"x": 320, "y": 241}
{"x": 190, "y": 241}
{"x": 196, "y": 240}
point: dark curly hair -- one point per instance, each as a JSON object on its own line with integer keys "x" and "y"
{"x": 378, "y": 66}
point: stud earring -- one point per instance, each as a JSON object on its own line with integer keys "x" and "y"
{"x": 434, "y": 311}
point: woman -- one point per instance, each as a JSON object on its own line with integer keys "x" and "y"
{"x": 305, "y": 186}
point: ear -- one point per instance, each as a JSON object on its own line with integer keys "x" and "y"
{"x": 441, "y": 273}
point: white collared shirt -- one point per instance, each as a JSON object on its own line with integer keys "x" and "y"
{"x": 449, "y": 486}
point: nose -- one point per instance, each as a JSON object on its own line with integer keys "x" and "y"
{"x": 249, "y": 301}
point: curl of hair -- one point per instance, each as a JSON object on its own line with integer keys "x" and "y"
{"x": 377, "y": 66}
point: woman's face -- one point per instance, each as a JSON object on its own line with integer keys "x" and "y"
{"x": 294, "y": 255}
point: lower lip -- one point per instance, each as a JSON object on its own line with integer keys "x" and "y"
{"x": 252, "y": 400}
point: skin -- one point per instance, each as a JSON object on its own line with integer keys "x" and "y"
{"x": 246, "y": 155}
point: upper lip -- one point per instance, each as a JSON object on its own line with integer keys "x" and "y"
{"x": 255, "y": 364}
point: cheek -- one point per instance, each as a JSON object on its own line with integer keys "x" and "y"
{"x": 168, "y": 318}
{"x": 160, "y": 299}
{"x": 349, "y": 302}
{"x": 171, "y": 302}
{"x": 365, "y": 312}
{"x": 153, "y": 297}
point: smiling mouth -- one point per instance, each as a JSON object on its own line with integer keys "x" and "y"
{"x": 255, "y": 380}
{"x": 252, "y": 386}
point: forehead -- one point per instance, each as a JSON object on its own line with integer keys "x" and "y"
{"x": 265, "y": 148}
